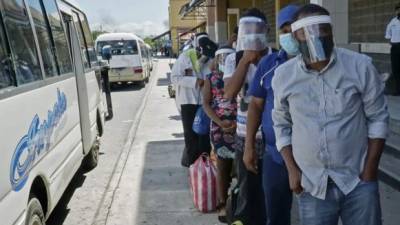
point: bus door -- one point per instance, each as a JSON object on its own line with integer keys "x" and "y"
{"x": 83, "y": 96}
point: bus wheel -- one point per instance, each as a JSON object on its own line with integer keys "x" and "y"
{"x": 35, "y": 215}
{"x": 92, "y": 158}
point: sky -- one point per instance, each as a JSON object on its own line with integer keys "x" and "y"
{"x": 142, "y": 17}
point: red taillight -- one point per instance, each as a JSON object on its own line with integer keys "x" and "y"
{"x": 138, "y": 69}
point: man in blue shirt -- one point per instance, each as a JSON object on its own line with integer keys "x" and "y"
{"x": 278, "y": 196}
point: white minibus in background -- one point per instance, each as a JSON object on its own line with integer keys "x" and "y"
{"x": 129, "y": 61}
{"x": 51, "y": 110}
{"x": 150, "y": 56}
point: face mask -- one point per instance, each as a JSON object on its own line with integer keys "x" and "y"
{"x": 234, "y": 44}
{"x": 289, "y": 44}
{"x": 221, "y": 68}
{"x": 322, "y": 48}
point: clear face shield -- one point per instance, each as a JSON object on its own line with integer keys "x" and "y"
{"x": 252, "y": 34}
{"x": 315, "y": 38}
{"x": 221, "y": 55}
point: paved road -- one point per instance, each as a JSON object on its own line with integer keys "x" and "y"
{"x": 83, "y": 198}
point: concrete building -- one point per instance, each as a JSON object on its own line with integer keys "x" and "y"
{"x": 182, "y": 22}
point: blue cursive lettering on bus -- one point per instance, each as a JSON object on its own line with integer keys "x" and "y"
{"x": 36, "y": 142}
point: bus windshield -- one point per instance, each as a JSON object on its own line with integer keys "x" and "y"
{"x": 119, "y": 47}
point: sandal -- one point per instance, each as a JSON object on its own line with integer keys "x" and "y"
{"x": 222, "y": 218}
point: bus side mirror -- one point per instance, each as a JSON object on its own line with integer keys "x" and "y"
{"x": 106, "y": 52}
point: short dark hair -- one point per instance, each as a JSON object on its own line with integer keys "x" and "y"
{"x": 311, "y": 9}
{"x": 397, "y": 6}
{"x": 254, "y": 12}
{"x": 236, "y": 30}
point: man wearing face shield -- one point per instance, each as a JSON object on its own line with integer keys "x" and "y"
{"x": 188, "y": 74}
{"x": 331, "y": 122}
{"x": 393, "y": 35}
{"x": 278, "y": 196}
{"x": 239, "y": 71}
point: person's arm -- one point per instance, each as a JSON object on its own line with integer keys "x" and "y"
{"x": 376, "y": 112}
{"x": 207, "y": 98}
{"x": 283, "y": 131}
{"x": 254, "y": 116}
{"x": 182, "y": 74}
{"x": 235, "y": 83}
{"x": 294, "y": 171}
{"x": 388, "y": 34}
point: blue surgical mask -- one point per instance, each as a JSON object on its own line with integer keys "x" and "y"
{"x": 289, "y": 44}
{"x": 221, "y": 68}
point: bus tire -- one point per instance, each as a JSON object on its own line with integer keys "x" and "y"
{"x": 92, "y": 158}
{"x": 34, "y": 215}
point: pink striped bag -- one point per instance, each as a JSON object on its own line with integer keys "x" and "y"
{"x": 203, "y": 183}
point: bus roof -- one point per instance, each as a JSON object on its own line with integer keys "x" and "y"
{"x": 73, "y": 3}
{"x": 117, "y": 37}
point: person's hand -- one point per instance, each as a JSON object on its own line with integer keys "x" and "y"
{"x": 199, "y": 82}
{"x": 250, "y": 57}
{"x": 250, "y": 158}
{"x": 369, "y": 176}
{"x": 228, "y": 126}
{"x": 295, "y": 180}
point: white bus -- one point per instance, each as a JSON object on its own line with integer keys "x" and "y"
{"x": 130, "y": 62}
{"x": 51, "y": 110}
{"x": 150, "y": 56}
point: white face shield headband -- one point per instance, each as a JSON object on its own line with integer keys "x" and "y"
{"x": 196, "y": 40}
{"x": 315, "y": 38}
{"x": 252, "y": 34}
{"x": 221, "y": 55}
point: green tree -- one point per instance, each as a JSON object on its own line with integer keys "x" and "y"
{"x": 96, "y": 33}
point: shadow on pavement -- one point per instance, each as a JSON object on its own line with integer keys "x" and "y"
{"x": 163, "y": 82}
{"x": 165, "y": 196}
{"x": 177, "y": 117}
{"x": 61, "y": 211}
{"x": 126, "y": 87}
{"x": 178, "y": 135}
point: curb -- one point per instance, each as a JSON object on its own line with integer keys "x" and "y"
{"x": 102, "y": 213}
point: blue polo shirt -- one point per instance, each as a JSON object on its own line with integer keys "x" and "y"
{"x": 261, "y": 88}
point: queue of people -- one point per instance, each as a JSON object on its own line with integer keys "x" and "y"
{"x": 307, "y": 120}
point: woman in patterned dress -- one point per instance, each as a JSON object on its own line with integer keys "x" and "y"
{"x": 223, "y": 126}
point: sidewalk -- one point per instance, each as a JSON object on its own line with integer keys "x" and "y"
{"x": 154, "y": 187}
{"x": 154, "y": 190}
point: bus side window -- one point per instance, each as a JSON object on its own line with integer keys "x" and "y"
{"x": 22, "y": 42}
{"x": 89, "y": 40}
{"x": 82, "y": 41}
{"x": 46, "y": 42}
{"x": 59, "y": 36}
{"x": 7, "y": 78}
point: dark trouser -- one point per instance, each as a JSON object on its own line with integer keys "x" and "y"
{"x": 195, "y": 144}
{"x": 278, "y": 196}
{"x": 250, "y": 202}
{"x": 395, "y": 58}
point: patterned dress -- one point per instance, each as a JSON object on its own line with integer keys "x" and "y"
{"x": 223, "y": 142}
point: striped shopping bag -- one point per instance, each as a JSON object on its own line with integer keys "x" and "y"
{"x": 203, "y": 183}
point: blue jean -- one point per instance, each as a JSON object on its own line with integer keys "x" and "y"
{"x": 278, "y": 196}
{"x": 360, "y": 207}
